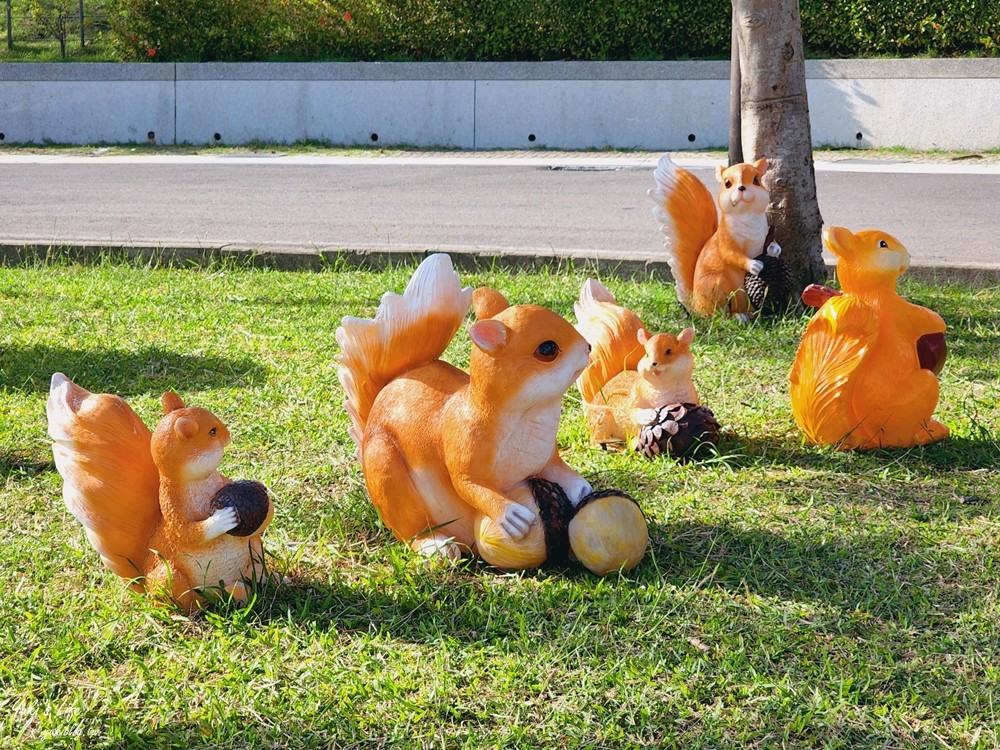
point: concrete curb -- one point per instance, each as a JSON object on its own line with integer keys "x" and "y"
{"x": 287, "y": 258}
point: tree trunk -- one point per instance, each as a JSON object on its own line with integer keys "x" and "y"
{"x": 735, "y": 126}
{"x": 775, "y": 125}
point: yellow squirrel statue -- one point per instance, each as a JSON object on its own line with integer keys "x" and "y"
{"x": 638, "y": 387}
{"x": 153, "y": 505}
{"x": 720, "y": 258}
{"x": 460, "y": 463}
{"x": 865, "y": 373}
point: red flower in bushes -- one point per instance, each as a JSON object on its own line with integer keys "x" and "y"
{"x": 151, "y": 52}
{"x": 321, "y": 21}
{"x": 347, "y": 16}
{"x": 134, "y": 37}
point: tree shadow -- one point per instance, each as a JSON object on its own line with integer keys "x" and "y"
{"x": 148, "y": 369}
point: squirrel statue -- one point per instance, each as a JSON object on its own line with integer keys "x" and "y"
{"x": 709, "y": 256}
{"x": 153, "y": 505}
{"x": 632, "y": 373}
{"x": 865, "y": 372}
{"x": 451, "y": 459}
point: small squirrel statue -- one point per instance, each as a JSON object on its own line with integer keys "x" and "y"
{"x": 450, "y": 459}
{"x": 632, "y": 373}
{"x": 865, "y": 373}
{"x": 710, "y": 257}
{"x": 153, "y": 505}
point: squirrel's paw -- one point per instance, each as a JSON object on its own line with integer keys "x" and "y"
{"x": 516, "y": 520}
{"x": 223, "y": 520}
{"x": 755, "y": 267}
{"x": 774, "y": 249}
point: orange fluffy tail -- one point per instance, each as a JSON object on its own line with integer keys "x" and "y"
{"x": 687, "y": 214}
{"x": 407, "y": 331}
{"x": 611, "y": 331}
{"x": 110, "y": 484}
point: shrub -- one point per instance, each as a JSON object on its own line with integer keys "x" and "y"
{"x": 530, "y": 29}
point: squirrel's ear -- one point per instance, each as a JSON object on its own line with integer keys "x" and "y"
{"x": 719, "y": 169}
{"x": 185, "y": 427}
{"x": 488, "y": 303}
{"x": 171, "y": 401}
{"x": 686, "y": 336}
{"x": 760, "y": 165}
{"x": 489, "y": 335}
{"x": 643, "y": 335}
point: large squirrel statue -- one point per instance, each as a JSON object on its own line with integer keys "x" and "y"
{"x": 633, "y": 375}
{"x": 153, "y": 505}
{"x": 865, "y": 373}
{"x": 454, "y": 462}
{"x": 709, "y": 256}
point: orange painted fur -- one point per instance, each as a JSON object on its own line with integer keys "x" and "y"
{"x": 441, "y": 448}
{"x": 857, "y": 381}
{"x": 709, "y": 256}
{"x": 143, "y": 498}
{"x": 631, "y": 372}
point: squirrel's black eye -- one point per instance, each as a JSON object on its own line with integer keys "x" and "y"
{"x": 729, "y": 183}
{"x": 212, "y": 431}
{"x": 756, "y": 180}
{"x": 669, "y": 352}
{"x": 547, "y": 351}
{"x": 883, "y": 243}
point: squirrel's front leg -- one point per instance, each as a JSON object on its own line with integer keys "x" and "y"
{"x": 574, "y": 485}
{"x": 217, "y": 524}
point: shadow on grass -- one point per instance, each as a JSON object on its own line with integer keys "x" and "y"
{"x": 125, "y": 373}
{"x": 12, "y": 465}
{"x": 887, "y": 574}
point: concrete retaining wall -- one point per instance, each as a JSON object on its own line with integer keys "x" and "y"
{"x": 921, "y": 104}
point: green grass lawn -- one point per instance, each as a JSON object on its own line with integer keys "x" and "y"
{"x": 792, "y": 596}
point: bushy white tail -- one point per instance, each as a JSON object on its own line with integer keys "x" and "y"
{"x": 611, "y": 330}
{"x": 110, "y": 483}
{"x": 408, "y": 330}
{"x": 688, "y": 218}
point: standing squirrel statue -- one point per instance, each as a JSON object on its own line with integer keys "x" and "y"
{"x": 153, "y": 505}
{"x": 455, "y": 462}
{"x": 632, "y": 373}
{"x": 865, "y": 373}
{"x": 709, "y": 256}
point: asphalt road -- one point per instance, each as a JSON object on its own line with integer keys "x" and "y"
{"x": 590, "y": 206}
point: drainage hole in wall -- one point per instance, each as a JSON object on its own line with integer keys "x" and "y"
{"x": 151, "y": 136}
{"x": 217, "y": 137}
{"x": 691, "y": 137}
{"x": 3, "y": 136}
{"x": 531, "y": 137}
{"x": 374, "y": 137}
{"x": 859, "y": 136}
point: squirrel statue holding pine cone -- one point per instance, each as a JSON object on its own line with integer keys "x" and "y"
{"x": 720, "y": 258}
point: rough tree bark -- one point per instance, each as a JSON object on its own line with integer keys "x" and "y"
{"x": 775, "y": 125}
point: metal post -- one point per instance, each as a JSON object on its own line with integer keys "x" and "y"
{"x": 83, "y": 41}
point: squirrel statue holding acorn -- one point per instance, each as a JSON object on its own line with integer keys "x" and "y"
{"x": 638, "y": 387}
{"x": 153, "y": 505}
{"x": 461, "y": 462}
{"x": 865, "y": 373}
{"x": 714, "y": 253}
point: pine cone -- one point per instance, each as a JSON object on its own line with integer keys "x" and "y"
{"x": 770, "y": 291}
{"x": 679, "y": 430}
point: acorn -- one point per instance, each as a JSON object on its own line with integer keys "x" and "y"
{"x": 683, "y": 431}
{"x": 770, "y": 291}
{"x": 252, "y": 504}
{"x": 605, "y": 532}
{"x": 545, "y": 542}
{"x": 608, "y": 532}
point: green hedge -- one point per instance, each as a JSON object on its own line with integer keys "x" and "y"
{"x": 205, "y": 30}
